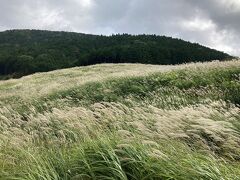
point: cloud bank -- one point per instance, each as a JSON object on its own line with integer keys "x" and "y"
{"x": 214, "y": 23}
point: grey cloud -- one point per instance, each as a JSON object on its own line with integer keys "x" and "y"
{"x": 224, "y": 13}
{"x": 214, "y": 23}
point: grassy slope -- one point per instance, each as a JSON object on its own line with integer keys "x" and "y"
{"x": 126, "y": 121}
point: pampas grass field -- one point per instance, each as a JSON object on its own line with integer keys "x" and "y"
{"x": 123, "y": 121}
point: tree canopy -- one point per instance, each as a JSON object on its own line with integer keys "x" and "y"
{"x": 24, "y": 52}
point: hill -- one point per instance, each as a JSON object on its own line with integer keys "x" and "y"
{"x": 122, "y": 121}
{"x": 24, "y": 52}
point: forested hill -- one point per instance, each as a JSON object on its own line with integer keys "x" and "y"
{"x": 24, "y": 52}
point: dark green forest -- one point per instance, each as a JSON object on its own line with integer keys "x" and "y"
{"x": 24, "y": 52}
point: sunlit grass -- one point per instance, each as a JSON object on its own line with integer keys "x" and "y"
{"x": 122, "y": 122}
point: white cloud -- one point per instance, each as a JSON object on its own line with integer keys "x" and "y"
{"x": 197, "y": 24}
{"x": 46, "y": 19}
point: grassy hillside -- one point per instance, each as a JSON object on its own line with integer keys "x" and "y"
{"x": 123, "y": 121}
{"x": 24, "y": 52}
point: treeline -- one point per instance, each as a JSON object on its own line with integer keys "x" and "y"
{"x": 24, "y": 52}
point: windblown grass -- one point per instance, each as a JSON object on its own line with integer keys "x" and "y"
{"x": 112, "y": 158}
{"x": 123, "y": 122}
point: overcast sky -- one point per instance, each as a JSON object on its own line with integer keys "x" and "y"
{"x": 214, "y": 23}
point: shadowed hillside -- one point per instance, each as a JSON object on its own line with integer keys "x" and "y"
{"x": 24, "y": 52}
